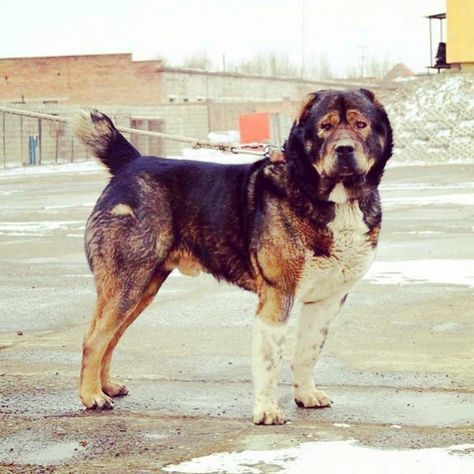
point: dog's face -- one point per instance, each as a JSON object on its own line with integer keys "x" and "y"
{"x": 345, "y": 136}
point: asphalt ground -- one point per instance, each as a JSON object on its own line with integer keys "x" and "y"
{"x": 398, "y": 362}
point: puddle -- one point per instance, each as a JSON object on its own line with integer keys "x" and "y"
{"x": 38, "y": 453}
{"x": 451, "y": 272}
{"x": 335, "y": 457}
{"x": 156, "y": 436}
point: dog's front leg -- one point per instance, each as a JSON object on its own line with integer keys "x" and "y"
{"x": 268, "y": 342}
{"x": 313, "y": 325}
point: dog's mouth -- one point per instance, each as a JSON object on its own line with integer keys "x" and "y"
{"x": 346, "y": 177}
{"x": 347, "y": 187}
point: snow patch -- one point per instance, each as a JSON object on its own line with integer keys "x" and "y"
{"x": 444, "y": 271}
{"x": 335, "y": 457}
{"x": 462, "y": 199}
{"x": 36, "y": 227}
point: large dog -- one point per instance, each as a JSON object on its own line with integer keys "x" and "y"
{"x": 303, "y": 228}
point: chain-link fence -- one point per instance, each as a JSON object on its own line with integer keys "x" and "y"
{"x": 433, "y": 119}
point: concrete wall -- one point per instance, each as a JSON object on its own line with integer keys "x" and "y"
{"x": 194, "y": 85}
{"x": 57, "y": 144}
{"x": 225, "y": 116}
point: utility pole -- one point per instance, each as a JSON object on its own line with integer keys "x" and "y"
{"x": 363, "y": 49}
{"x": 303, "y": 39}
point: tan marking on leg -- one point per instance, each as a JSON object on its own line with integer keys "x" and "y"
{"x": 122, "y": 210}
{"x": 102, "y": 328}
{"x": 115, "y": 389}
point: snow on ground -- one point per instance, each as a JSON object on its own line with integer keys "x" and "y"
{"x": 432, "y": 120}
{"x": 209, "y": 156}
{"x": 461, "y": 199}
{"x": 80, "y": 167}
{"x": 335, "y": 457}
{"x": 36, "y": 228}
{"x": 443, "y": 271}
{"x": 93, "y": 166}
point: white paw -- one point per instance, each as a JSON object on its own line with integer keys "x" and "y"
{"x": 268, "y": 415}
{"x": 312, "y": 399}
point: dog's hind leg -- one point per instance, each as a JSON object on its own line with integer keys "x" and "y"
{"x": 110, "y": 388}
{"x": 107, "y": 319}
{"x": 119, "y": 303}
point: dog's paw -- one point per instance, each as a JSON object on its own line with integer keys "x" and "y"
{"x": 312, "y": 399}
{"x": 268, "y": 415}
{"x": 114, "y": 389}
{"x": 97, "y": 401}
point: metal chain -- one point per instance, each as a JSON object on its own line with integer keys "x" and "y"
{"x": 268, "y": 149}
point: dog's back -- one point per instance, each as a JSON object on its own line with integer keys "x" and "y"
{"x": 167, "y": 210}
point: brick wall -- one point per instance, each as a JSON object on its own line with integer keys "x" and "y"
{"x": 118, "y": 79}
{"x": 93, "y": 79}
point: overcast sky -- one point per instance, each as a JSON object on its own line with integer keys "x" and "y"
{"x": 175, "y": 29}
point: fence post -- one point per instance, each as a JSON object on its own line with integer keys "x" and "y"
{"x": 40, "y": 139}
{"x": 4, "y": 142}
{"x": 21, "y": 141}
{"x": 57, "y": 144}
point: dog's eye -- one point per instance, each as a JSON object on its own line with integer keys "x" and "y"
{"x": 360, "y": 124}
{"x": 326, "y": 126}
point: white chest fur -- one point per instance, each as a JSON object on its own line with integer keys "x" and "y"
{"x": 350, "y": 257}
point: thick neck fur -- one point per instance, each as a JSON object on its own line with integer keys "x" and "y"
{"x": 303, "y": 190}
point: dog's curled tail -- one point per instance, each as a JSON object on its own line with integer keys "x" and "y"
{"x": 97, "y": 131}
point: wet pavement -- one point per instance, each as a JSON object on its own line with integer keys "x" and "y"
{"x": 398, "y": 362}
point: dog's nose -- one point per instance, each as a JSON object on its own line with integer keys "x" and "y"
{"x": 345, "y": 150}
{"x": 346, "y": 163}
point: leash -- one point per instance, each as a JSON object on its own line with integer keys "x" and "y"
{"x": 267, "y": 150}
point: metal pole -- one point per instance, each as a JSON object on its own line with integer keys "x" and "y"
{"x": 57, "y": 143}
{"x": 4, "y": 144}
{"x": 21, "y": 139}
{"x": 40, "y": 144}
{"x": 441, "y": 29}
{"x": 431, "y": 46}
{"x": 302, "y": 38}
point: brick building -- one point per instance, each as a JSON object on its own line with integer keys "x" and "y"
{"x": 138, "y": 94}
{"x": 118, "y": 79}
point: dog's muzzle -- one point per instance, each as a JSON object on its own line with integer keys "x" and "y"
{"x": 346, "y": 164}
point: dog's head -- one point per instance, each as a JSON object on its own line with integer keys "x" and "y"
{"x": 340, "y": 143}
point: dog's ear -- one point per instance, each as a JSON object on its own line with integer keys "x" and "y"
{"x": 369, "y": 94}
{"x": 306, "y": 106}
